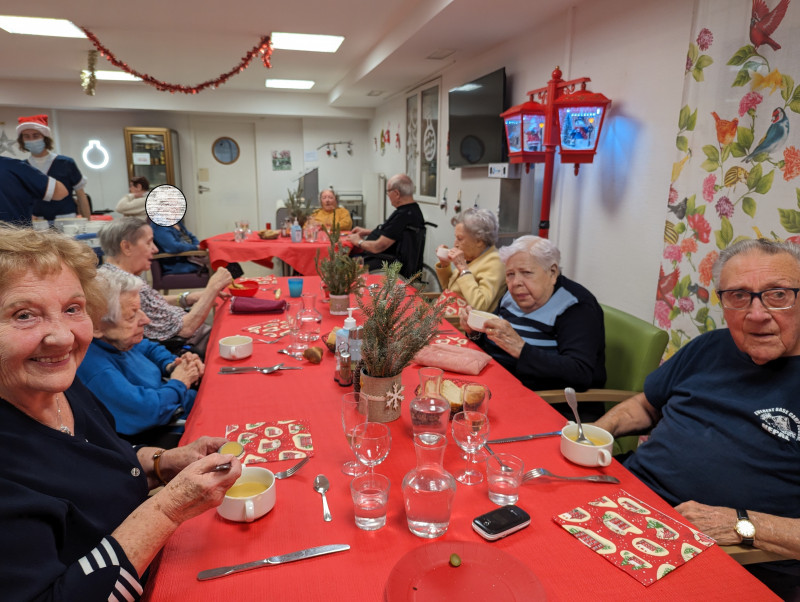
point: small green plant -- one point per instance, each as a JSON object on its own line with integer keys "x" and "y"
{"x": 340, "y": 272}
{"x": 297, "y": 205}
{"x": 399, "y": 322}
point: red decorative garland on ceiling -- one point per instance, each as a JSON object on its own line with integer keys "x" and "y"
{"x": 264, "y": 48}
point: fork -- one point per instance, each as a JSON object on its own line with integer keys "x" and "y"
{"x": 535, "y": 473}
{"x": 292, "y": 469}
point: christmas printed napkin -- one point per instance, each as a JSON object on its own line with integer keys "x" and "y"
{"x": 272, "y": 441}
{"x": 271, "y": 329}
{"x": 630, "y": 534}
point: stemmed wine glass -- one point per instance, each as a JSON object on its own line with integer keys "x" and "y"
{"x": 355, "y": 408}
{"x": 371, "y": 443}
{"x": 470, "y": 430}
{"x": 292, "y": 310}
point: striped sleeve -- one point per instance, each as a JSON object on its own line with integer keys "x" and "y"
{"x": 104, "y": 573}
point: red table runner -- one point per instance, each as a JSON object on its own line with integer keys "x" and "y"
{"x": 567, "y": 569}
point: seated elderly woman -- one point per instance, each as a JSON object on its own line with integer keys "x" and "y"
{"x": 549, "y": 330}
{"x": 329, "y": 210}
{"x": 133, "y": 203}
{"x": 175, "y": 320}
{"x": 177, "y": 239}
{"x": 473, "y": 268}
{"x": 75, "y": 519}
{"x": 125, "y": 371}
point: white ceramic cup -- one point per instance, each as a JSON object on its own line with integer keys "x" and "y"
{"x": 249, "y": 508}
{"x": 477, "y": 319}
{"x": 583, "y": 454}
{"x": 236, "y": 347}
{"x": 443, "y": 253}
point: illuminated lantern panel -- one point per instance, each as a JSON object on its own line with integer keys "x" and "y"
{"x": 533, "y": 133}
{"x": 525, "y": 129}
{"x": 579, "y": 127}
{"x": 513, "y": 133}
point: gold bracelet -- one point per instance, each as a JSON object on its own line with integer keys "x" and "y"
{"x": 156, "y": 467}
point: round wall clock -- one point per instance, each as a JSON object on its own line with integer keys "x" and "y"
{"x": 225, "y": 150}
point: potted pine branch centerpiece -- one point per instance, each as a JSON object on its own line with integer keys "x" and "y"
{"x": 297, "y": 205}
{"x": 340, "y": 273}
{"x": 399, "y": 322}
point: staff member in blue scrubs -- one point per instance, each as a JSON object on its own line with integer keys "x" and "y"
{"x": 34, "y": 136}
{"x": 20, "y": 187}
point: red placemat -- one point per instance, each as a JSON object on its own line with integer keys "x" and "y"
{"x": 634, "y": 536}
{"x": 272, "y": 441}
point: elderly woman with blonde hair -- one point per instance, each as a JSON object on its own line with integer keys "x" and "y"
{"x": 473, "y": 268}
{"x": 76, "y": 522}
{"x": 549, "y": 330}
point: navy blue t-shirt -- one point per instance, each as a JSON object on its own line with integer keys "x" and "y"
{"x": 730, "y": 429}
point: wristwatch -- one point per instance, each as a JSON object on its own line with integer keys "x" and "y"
{"x": 464, "y": 271}
{"x": 182, "y": 300}
{"x": 745, "y": 529}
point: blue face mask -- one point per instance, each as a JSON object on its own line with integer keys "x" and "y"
{"x": 34, "y": 146}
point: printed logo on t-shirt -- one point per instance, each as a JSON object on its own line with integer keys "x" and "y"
{"x": 780, "y": 422}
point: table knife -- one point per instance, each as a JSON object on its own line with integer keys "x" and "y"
{"x": 301, "y": 555}
{"x": 525, "y": 437}
{"x": 241, "y": 369}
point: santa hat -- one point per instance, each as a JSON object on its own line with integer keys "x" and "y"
{"x": 34, "y": 122}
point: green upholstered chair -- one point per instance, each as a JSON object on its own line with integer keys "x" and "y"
{"x": 633, "y": 350}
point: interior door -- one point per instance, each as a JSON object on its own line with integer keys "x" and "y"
{"x": 226, "y": 188}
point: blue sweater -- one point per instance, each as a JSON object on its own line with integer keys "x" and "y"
{"x": 170, "y": 240}
{"x": 129, "y": 383}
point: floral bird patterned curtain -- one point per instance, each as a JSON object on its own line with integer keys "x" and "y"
{"x": 738, "y": 153}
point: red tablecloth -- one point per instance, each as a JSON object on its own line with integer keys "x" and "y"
{"x": 567, "y": 569}
{"x": 299, "y": 255}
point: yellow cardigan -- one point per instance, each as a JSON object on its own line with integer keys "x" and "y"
{"x": 326, "y": 217}
{"x": 484, "y": 287}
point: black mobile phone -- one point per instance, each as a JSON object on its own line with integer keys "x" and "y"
{"x": 501, "y": 522}
{"x": 235, "y": 269}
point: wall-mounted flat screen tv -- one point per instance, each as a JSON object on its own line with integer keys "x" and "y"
{"x": 477, "y": 136}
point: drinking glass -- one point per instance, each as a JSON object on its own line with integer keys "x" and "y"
{"x": 354, "y": 412}
{"x": 470, "y": 430}
{"x": 293, "y": 320}
{"x": 371, "y": 443}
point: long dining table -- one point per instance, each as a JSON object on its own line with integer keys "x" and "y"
{"x": 565, "y": 569}
{"x": 223, "y": 249}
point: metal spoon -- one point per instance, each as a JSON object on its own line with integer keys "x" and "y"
{"x": 504, "y": 467}
{"x": 572, "y": 401}
{"x": 321, "y": 485}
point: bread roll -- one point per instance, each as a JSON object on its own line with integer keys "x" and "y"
{"x": 452, "y": 393}
{"x": 474, "y": 394}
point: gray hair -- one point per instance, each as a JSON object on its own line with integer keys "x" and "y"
{"x": 541, "y": 249}
{"x": 768, "y": 247}
{"x": 114, "y": 232}
{"x": 113, "y": 284}
{"x": 480, "y": 223}
{"x": 402, "y": 184}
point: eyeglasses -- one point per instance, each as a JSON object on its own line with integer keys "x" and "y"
{"x": 772, "y": 298}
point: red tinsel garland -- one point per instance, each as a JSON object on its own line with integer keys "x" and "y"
{"x": 264, "y": 47}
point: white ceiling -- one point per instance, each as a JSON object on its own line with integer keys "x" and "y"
{"x": 386, "y": 45}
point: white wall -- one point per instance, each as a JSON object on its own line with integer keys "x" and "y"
{"x": 609, "y": 220}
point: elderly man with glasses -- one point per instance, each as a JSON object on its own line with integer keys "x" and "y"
{"x": 726, "y": 408}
